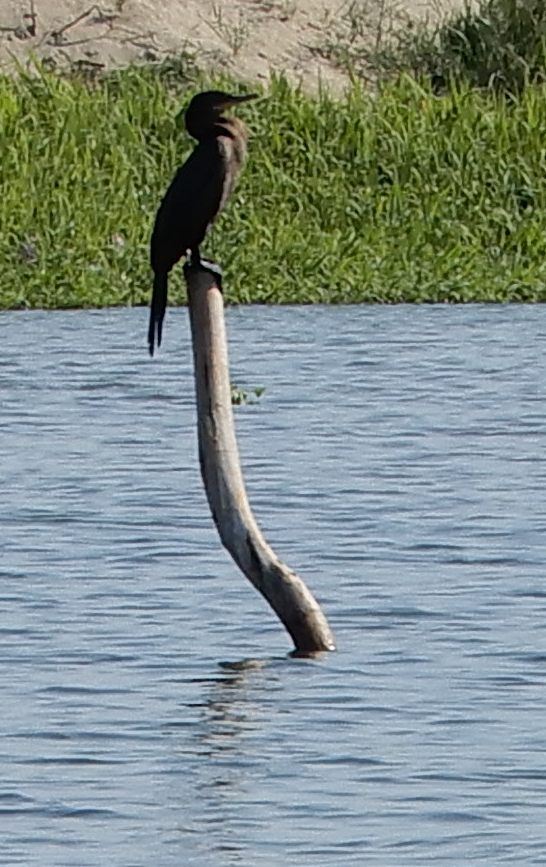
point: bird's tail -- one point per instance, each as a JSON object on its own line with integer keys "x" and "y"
{"x": 157, "y": 310}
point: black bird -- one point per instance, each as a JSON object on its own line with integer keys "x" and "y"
{"x": 197, "y": 194}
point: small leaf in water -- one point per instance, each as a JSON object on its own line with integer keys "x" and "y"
{"x": 244, "y": 396}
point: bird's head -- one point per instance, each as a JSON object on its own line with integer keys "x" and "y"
{"x": 207, "y": 107}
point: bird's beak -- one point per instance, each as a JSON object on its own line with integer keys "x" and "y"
{"x": 245, "y": 97}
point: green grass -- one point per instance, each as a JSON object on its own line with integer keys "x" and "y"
{"x": 492, "y": 44}
{"x": 405, "y": 196}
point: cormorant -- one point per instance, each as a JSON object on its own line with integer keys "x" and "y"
{"x": 197, "y": 193}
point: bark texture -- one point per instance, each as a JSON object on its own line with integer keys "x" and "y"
{"x": 285, "y": 591}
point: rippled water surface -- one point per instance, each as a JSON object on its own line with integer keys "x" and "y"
{"x": 150, "y": 713}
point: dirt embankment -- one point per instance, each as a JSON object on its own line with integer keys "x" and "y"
{"x": 246, "y": 37}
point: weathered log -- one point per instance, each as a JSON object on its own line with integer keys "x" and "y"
{"x": 285, "y": 591}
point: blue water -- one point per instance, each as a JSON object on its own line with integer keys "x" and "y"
{"x": 150, "y": 713}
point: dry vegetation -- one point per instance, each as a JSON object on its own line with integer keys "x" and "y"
{"x": 303, "y": 39}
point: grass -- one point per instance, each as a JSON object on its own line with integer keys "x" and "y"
{"x": 493, "y": 44}
{"x": 405, "y": 196}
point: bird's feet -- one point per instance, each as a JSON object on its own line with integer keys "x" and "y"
{"x": 195, "y": 263}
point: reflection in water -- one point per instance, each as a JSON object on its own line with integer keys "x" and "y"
{"x": 228, "y": 727}
{"x": 230, "y": 708}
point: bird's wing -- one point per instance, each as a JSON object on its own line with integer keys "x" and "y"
{"x": 190, "y": 204}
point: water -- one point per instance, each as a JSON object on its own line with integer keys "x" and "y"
{"x": 150, "y": 712}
